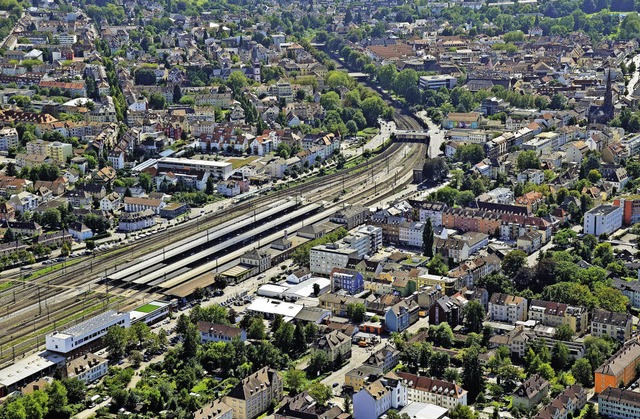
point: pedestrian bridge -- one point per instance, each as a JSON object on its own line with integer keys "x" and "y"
{"x": 412, "y": 134}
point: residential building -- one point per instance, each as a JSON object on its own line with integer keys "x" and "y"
{"x": 82, "y": 334}
{"x": 384, "y": 359}
{"x": 430, "y": 210}
{"x": 620, "y": 368}
{"x": 377, "y": 398}
{"x": 79, "y": 231}
{"x": 336, "y": 345}
{"x": 214, "y": 410}
{"x": 59, "y": 152}
{"x": 630, "y": 209}
{"x": 359, "y": 377}
{"x": 338, "y": 303}
{"x": 531, "y": 392}
{"x": 507, "y": 308}
{"x": 351, "y": 217}
{"x": 630, "y": 289}
{"x": 431, "y": 390}
{"x": 346, "y": 279}
{"x": 252, "y": 396}
{"x": 324, "y": 258}
{"x": 617, "y": 403}
{"x": 8, "y": 138}
{"x": 567, "y": 404}
{"x": 604, "y": 219}
{"x": 303, "y": 406}
{"x": 213, "y": 332}
{"x": 554, "y": 314}
{"x": 87, "y": 368}
{"x": 615, "y": 325}
{"x": 446, "y": 310}
{"x": 400, "y": 316}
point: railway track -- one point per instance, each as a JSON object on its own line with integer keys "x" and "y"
{"x": 23, "y": 322}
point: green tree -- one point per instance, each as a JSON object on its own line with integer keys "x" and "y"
{"x": 295, "y": 380}
{"x": 319, "y": 363}
{"x": 256, "y": 329}
{"x": 236, "y": 81}
{"x": 560, "y": 356}
{"x": 461, "y": 412}
{"x": 513, "y": 262}
{"x": 435, "y": 170}
{"x": 474, "y": 316}
{"x": 145, "y": 181}
{"x": 528, "y": 159}
{"x": 442, "y": 335}
{"x": 320, "y": 393}
{"x": 582, "y": 372}
{"x": 427, "y": 239}
{"x": 405, "y": 80}
{"x": 472, "y": 373}
{"x": 330, "y": 101}
{"x": 438, "y": 364}
{"x": 387, "y": 75}
{"x": 470, "y": 153}
{"x": 594, "y": 176}
{"x": 564, "y": 333}
{"x": 437, "y": 266}
{"x": 58, "y": 400}
{"x": 116, "y": 341}
{"x": 356, "y": 312}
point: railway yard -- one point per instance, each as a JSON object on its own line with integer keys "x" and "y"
{"x": 176, "y": 260}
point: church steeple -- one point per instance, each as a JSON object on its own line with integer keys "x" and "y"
{"x": 607, "y": 105}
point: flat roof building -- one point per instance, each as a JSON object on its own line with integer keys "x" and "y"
{"x": 28, "y": 369}
{"x": 86, "y": 332}
{"x": 219, "y": 169}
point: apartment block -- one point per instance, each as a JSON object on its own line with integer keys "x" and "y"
{"x": 550, "y": 313}
{"x": 252, "y": 396}
{"x": 615, "y": 325}
{"x": 507, "y": 308}
{"x": 620, "y": 368}
{"x": 616, "y": 403}
{"x": 604, "y": 219}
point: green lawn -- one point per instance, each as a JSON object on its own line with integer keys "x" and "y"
{"x": 147, "y": 308}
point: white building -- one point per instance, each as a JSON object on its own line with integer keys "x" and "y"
{"x": 375, "y": 236}
{"x": 86, "y": 332}
{"x": 437, "y": 81}
{"x": 410, "y": 234}
{"x": 604, "y": 219}
{"x": 87, "y": 368}
{"x": 325, "y": 257}
{"x": 507, "y": 308}
{"x": 133, "y": 221}
{"x": 430, "y": 390}
{"x": 375, "y": 399}
{"x": 219, "y": 169}
{"x": 8, "y": 138}
{"x": 616, "y": 403}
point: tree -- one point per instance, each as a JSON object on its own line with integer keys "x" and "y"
{"x": 594, "y": 176}
{"x": 513, "y": 262}
{"x": 438, "y": 364}
{"x": 145, "y": 181}
{"x": 461, "y": 412}
{"x": 560, "y": 356}
{"x": 405, "y": 80}
{"x": 236, "y": 81}
{"x": 373, "y": 108}
{"x": 58, "y": 400}
{"x": 51, "y": 218}
{"x": 356, "y": 312}
{"x": 65, "y": 249}
{"x": 319, "y": 363}
{"x": 387, "y": 75}
{"x": 299, "y": 339}
{"x": 427, "y": 239}
{"x": 437, "y": 266}
{"x": 528, "y": 159}
{"x": 582, "y": 372}
{"x": 295, "y": 380}
{"x": 470, "y": 153}
{"x": 256, "y": 329}
{"x": 558, "y": 102}
{"x": 435, "y": 170}
{"x": 442, "y": 335}
{"x": 316, "y": 289}
{"x": 320, "y": 393}
{"x": 472, "y": 372}
{"x": 157, "y": 101}
{"x": 590, "y": 412}
{"x": 330, "y": 101}
{"x": 564, "y": 238}
{"x": 564, "y": 333}
{"x": 474, "y": 316}
{"x": 116, "y": 340}
{"x": 11, "y": 169}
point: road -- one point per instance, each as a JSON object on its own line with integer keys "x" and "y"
{"x": 634, "y": 78}
{"x": 436, "y": 135}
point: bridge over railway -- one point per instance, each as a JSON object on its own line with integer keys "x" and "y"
{"x": 412, "y": 135}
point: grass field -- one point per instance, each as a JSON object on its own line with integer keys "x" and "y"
{"x": 239, "y": 162}
{"x": 147, "y": 308}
